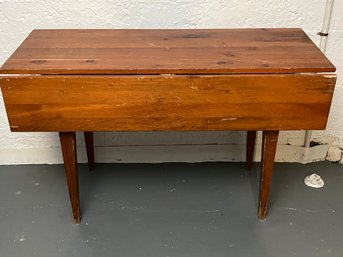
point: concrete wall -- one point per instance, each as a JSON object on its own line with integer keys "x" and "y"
{"x": 19, "y": 17}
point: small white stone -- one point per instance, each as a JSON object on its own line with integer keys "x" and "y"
{"x": 18, "y": 193}
{"x": 314, "y": 180}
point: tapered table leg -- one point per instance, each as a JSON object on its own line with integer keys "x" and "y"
{"x": 68, "y": 145}
{"x": 89, "y": 140}
{"x": 251, "y": 137}
{"x": 269, "y": 143}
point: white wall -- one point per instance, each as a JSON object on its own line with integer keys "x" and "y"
{"x": 19, "y": 17}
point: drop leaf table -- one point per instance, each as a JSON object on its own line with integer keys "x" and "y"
{"x": 88, "y": 80}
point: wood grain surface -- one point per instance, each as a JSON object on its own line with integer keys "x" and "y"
{"x": 160, "y": 80}
{"x": 160, "y": 103}
{"x": 68, "y": 147}
{"x": 166, "y": 51}
{"x": 269, "y": 144}
{"x": 251, "y": 139}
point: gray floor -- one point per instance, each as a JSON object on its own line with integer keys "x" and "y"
{"x": 206, "y": 209}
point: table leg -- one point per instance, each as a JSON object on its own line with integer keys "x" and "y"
{"x": 269, "y": 143}
{"x": 89, "y": 140}
{"x": 68, "y": 145}
{"x": 251, "y": 137}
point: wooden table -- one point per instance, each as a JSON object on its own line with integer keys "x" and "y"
{"x": 167, "y": 80}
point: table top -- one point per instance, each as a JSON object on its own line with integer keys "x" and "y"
{"x": 166, "y": 51}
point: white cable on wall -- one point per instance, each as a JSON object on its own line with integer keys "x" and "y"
{"x": 322, "y": 46}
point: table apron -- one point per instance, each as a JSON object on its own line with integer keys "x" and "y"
{"x": 168, "y": 102}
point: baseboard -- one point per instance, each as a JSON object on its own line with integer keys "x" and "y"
{"x": 164, "y": 153}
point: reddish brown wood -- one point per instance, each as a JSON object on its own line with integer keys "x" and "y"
{"x": 269, "y": 142}
{"x": 251, "y": 136}
{"x": 161, "y": 103}
{"x": 159, "y": 51}
{"x": 214, "y": 79}
{"x": 68, "y": 145}
{"x": 89, "y": 140}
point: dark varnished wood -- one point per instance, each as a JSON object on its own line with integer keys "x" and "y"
{"x": 161, "y": 103}
{"x": 251, "y": 137}
{"x": 269, "y": 142}
{"x": 158, "y": 51}
{"x": 89, "y": 141}
{"x": 68, "y": 145}
{"x": 159, "y": 80}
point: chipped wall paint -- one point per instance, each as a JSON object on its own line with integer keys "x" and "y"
{"x": 19, "y": 17}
